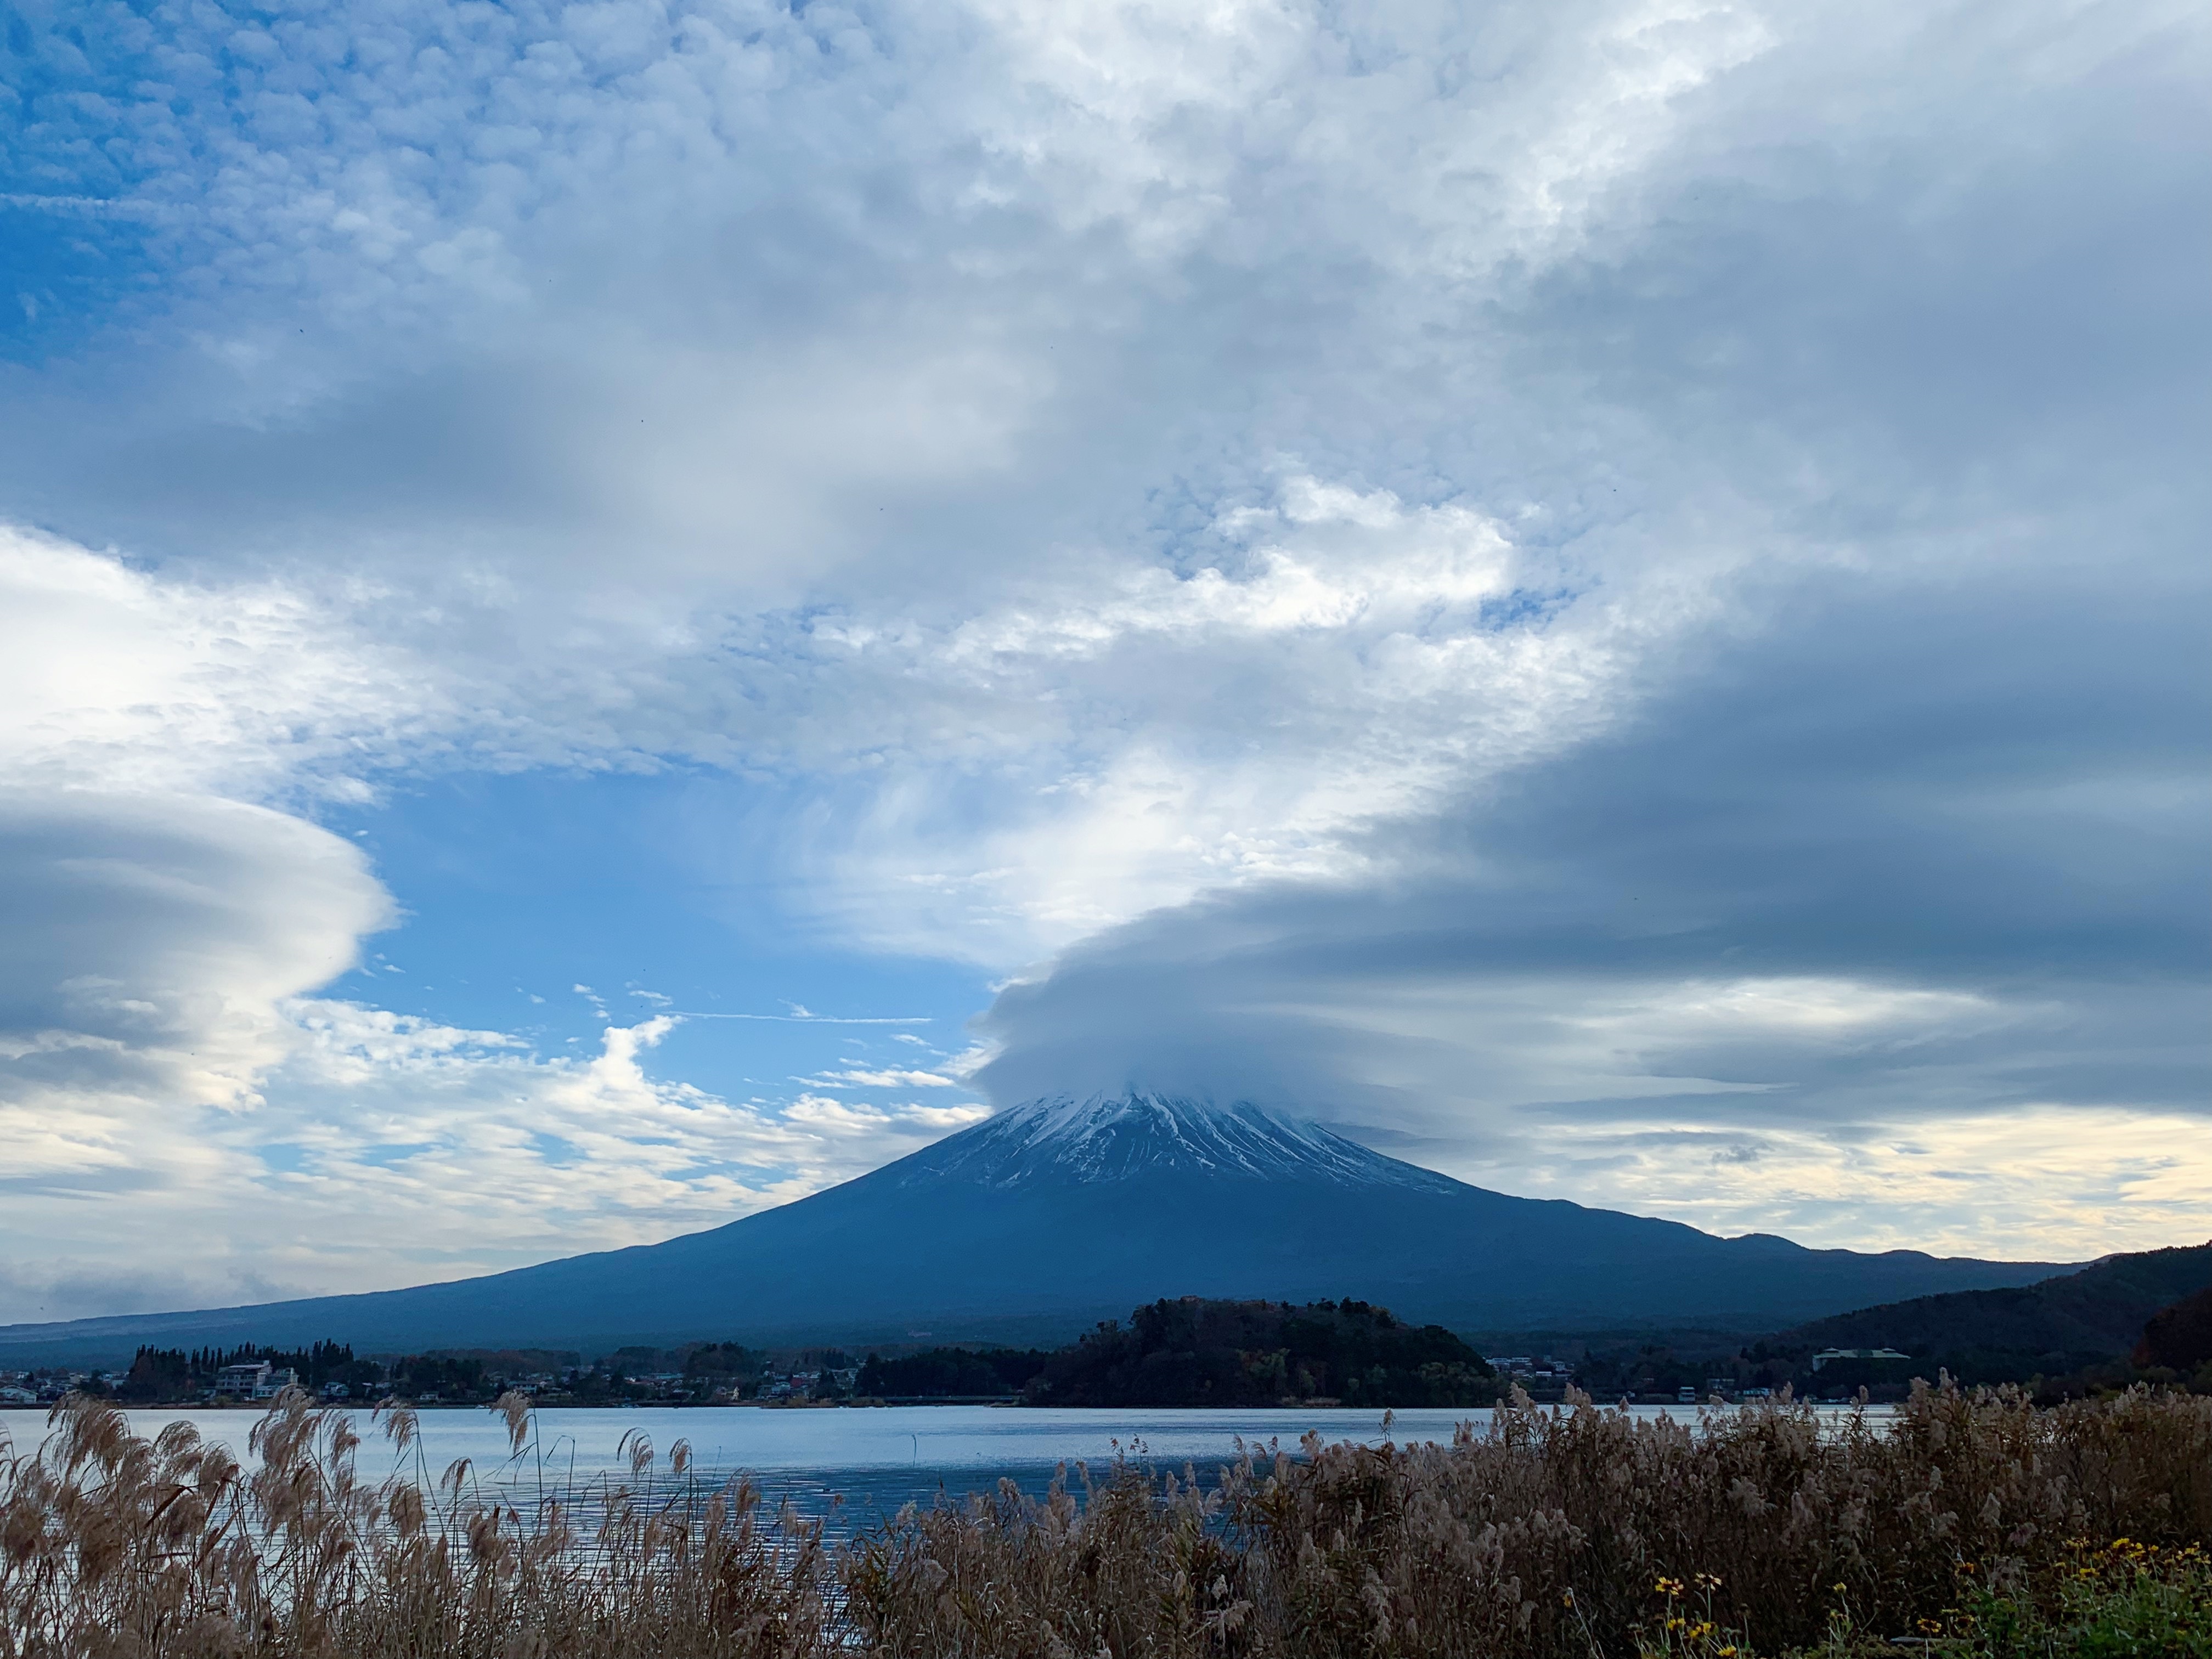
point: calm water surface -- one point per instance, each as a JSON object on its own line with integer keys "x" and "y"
{"x": 852, "y": 1463}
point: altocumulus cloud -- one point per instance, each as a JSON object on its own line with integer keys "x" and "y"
{"x": 1604, "y": 595}
{"x": 162, "y": 1063}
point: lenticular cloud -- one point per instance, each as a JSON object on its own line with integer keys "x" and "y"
{"x": 1598, "y": 596}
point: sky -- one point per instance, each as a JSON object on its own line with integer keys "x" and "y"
{"x": 611, "y": 613}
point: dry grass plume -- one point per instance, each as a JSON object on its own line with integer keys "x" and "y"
{"x": 1574, "y": 1534}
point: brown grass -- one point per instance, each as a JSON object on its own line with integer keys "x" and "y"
{"x": 1577, "y": 1533}
{"x": 114, "y": 1545}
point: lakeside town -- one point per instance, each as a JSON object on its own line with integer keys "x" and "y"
{"x": 331, "y": 1374}
{"x": 1183, "y": 1351}
{"x": 2140, "y": 1318}
{"x": 258, "y": 1382}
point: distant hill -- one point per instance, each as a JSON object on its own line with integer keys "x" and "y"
{"x": 1195, "y": 1353}
{"x": 1032, "y": 1226}
{"x": 950, "y": 1373}
{"x": 2179, "y": 1337}
{"x": 2007, "y": 1334}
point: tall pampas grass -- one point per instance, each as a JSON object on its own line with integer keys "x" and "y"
{"x": 1571, "y": 1534}
{"x": 112, "y": 1547}
{"x": 1574, "y": 1533}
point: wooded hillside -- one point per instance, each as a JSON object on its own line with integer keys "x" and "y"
{"x": 1198, "y": 1352}
{"x": 2076, "y": 1320}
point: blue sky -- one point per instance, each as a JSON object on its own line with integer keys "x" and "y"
{"x": 519, "y": 889}
{"x": 610, "y": 613}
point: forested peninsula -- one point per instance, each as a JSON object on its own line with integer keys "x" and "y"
{"x": 1195, "y": 1352}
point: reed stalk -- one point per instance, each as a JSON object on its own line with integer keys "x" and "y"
{"x": 1571, "y": 1533}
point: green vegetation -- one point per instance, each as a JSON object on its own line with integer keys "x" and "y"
{"x": 2141, "y": 1318}
{"x": 2179, "y": 1339}
{"x": 2082, "y": 1326}
{"x": 1197, "y": 1352}
{"x": 2126, "y": 1600}
{"x": 441, "y": 1376}
{"x": 161, "y": 1375}
{"x": 698, "y": 1373}
{"x": 2129, "y": 1599}
{"x": 725, "y": 1360}
{"x": 950, "y": 1373}
{"x": 1192, "y": 1352}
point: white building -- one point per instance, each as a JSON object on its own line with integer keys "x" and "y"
{"x": 242, "y": 1382}
{"x": 257, "y": 1381}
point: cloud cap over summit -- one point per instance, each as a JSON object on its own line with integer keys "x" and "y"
{"x": 1608, "y": 592}
{"x": 1844, "y": 881}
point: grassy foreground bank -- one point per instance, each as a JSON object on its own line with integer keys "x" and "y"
{"x": 1975, "y": 1526}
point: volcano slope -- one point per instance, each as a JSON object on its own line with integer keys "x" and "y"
{"x": 1061, "y": 1212}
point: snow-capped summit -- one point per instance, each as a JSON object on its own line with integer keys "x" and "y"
{"x": 1063, "y": 1211}
{"x": 1061, "y": 1138}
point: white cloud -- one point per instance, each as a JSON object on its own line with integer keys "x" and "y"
{"x": 1112, "y": 735}
{"x": 149, "y": 940}
{"x": 1839, "y": 1113}
{"x": 157, "y": 1055}
{"x": 389, "y": 1149}
{"x": 1113, "y": 467}
{"x": 126, "y": 679}
{"x": 1129, "y": 736}
{"x": 859, "y": 1078}
{"x": 2064, "y": 1182}
{"x": 1832, "y": 1009}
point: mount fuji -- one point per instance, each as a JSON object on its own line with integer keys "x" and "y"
{"x": 1054, "y": 1213}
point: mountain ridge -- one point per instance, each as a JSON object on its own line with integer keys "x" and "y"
{"x": 1058, "y": 1213}
{"x": 2061, "y": 1323}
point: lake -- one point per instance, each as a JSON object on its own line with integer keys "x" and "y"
{"x": 850, "y": 1463}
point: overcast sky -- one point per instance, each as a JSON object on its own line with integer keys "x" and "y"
{"x": 610, "y": 613}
